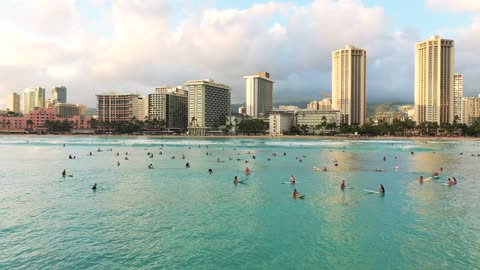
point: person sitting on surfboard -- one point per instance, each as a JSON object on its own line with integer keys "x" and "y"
{"x": 420, "y": 180}
{"x": 382, "y": 189}
{"x": 342, "y": 186}
{"x": 247, "y": 171}
{"x": 292, "y": 179}
{"x": 235, "y": 180}
{"x": 295, "y": 193}
{"x": 454, "y": 180}
{"x": 64, "y": 173}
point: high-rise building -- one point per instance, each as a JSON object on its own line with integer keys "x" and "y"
{"x": 471, "y": 110}
{"x": 434, "y": 70}
{"x": 14, "y": 102}
{"x": 349, "y": 84}
{"x": 259, "y": 94}
{"x": 114, "y": 107}
{"x": 170, "y": 105}
{"x": 33, "y": 97}
{"x": 457, "y": 97}
{"x": 59, "y": 94}
{"x": 208, "y": 105}
{"x": 322, "y": 105}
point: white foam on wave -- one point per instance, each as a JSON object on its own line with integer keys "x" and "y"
{"x": 307, "y": 143}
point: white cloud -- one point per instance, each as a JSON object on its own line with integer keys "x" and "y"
{"x": 137, "y": 45}
{"x": 455, "y": 5}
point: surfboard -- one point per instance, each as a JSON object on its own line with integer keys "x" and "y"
{"x": 70, "y": 175}
{"x": 436, "y": 176}
{"x": 347, "y": 188}
{"x": 371, "y": 191}
{"x": 301, "y": 196}
{"x": 427, "y": 179}
{"x": 296, "y": 182}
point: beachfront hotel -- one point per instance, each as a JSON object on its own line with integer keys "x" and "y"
{"x": 470, "y": 110}
{"x": 457, "y": 96}
{"x": 32, "y": 98}
{"x": 14, "y": 102}
{"x": 259, "y": 89}
{"x": 171, "y": 105}
{"x": 208, "y": 105}
{"x": 59, "y": 94}
{"x": 114, "y": 107}
{"x": 349, "y": 84}
{"x": 434, "y": 70}
{"x": 67, "y": 110}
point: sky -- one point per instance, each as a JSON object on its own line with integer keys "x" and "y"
{"x": 95, "y": 46}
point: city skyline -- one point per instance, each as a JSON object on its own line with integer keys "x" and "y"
{"x": 97, "y": 46}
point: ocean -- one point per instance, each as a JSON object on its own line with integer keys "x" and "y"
{"x": 173, "y": 217}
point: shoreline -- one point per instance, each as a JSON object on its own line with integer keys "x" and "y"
{"x": 280, "y": 137}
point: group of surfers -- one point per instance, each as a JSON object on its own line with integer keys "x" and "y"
{"x": 450, "y": 182}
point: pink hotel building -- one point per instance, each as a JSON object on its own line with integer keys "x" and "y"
{"x": 35, "y": 121}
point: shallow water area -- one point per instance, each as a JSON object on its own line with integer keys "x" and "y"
{"x": 173, "y": 217}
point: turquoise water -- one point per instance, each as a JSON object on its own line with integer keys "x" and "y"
{"x": 171, "y": 217}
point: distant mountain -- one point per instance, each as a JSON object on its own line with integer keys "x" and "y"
{"x": 375, "y": 109}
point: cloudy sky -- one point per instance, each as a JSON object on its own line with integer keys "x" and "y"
{"x": 93, "y": 46}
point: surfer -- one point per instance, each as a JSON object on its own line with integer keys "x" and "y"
{"x": 324, "y": 169}
{"x": 150, "y": 166}
{"x": 187, "y": 165}
{"x": 382, "y": 189}
{"x": 210, "y": 171}
{"x": 420, "y": 180}
{"x": 454, "y": 180}
{"x": 64, "y": 173}
{"x": 94, "y": 186}
{"x": 295, "y": 194}
{"x": 292, "y": 179}
{"x": 235, "y": 180}
{"x": 126, "y": 158}
{"x": 247, "y": 171}
{"x": 441, "y": 169}
{"x": 450, "y": 182}
{"x": 118, "y": 163}
{"x": 384, "y": 158}
{"x": 342, "y": 186}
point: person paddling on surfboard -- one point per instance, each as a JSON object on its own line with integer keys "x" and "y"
{"x": 420, "y": 180}
{"x": 382, "y": 189}
{"x": 342, "y": 186}
{"x": 295, "y": 193}
{"x": 235, "y": 180}
{"x": 292, "y": 179}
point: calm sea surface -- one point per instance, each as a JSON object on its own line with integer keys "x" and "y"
{"x": 171, "y": 217}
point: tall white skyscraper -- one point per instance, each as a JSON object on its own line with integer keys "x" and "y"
{"x": 457, "y": 96}
{"x": 208, "y": 105}
{"x": 434, "y": 70}
{"x": 33, "y": 97}
{"x": 259, "y": 94}
{"x": 14, "y": 102}
{"x": 59, "y": 94}
{"x": 349, "y": 84}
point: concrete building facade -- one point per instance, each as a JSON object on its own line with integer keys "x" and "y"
{"x": 67, "y": 110}
{"x": 259, "y": 92}
{"x": 33, "y": 98}
{"x": 349, "y": 84}
{"x": 317, "y": 118}
{"x": 322, "y": 105}
{"x": 170, "y": 105}
{"x": 457, "y": 97}
{"x": 14, "y": 102}
{"x": 280, "y": 122}
{"x": 434, "y": 70}
{"x": 208, "y": 105}
{"x": 114, "y": 107}
{"x": 471, "y": 110}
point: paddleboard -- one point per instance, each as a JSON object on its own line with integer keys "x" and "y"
{"x": 371, "y": 191}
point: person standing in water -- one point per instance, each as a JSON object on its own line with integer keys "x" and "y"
{"x": 342, "y": 186}
{"x": 381, "y": 189}
{"x": 64, "y": 173}
{"x": 94, "y": 186}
